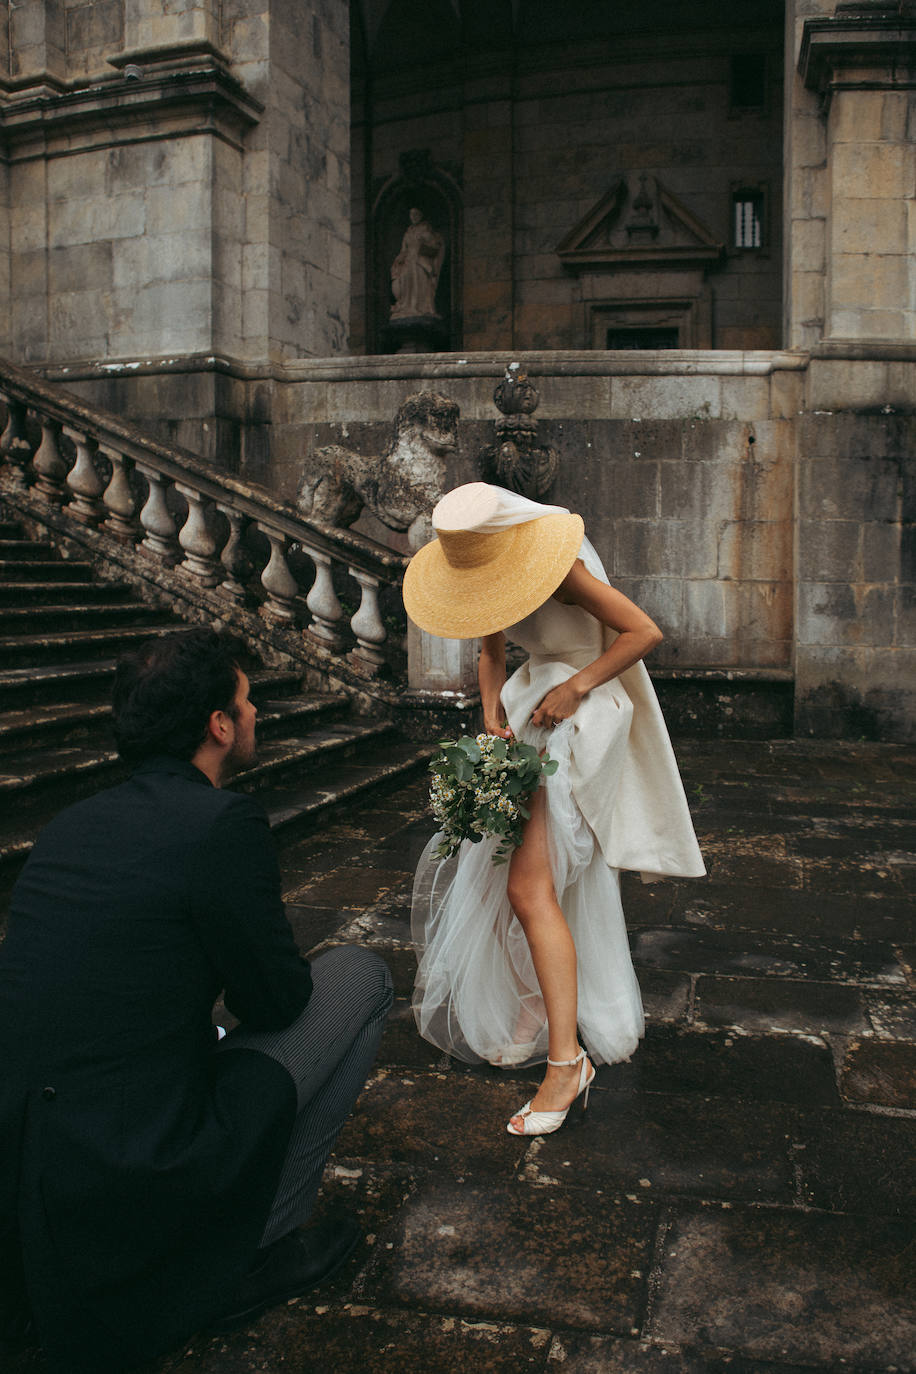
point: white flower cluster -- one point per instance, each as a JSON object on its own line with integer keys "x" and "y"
{"x": 479, "y": 788}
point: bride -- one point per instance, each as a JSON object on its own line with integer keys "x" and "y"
{"x": 517, "y": 960}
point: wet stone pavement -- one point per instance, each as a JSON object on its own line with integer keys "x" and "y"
{"x": 740, "y": 1196}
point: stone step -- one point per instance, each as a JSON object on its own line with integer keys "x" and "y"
{"x": 32, "y": 550}
{"x": 280, "y": 760}
{"x": 41, "y": 570}
{"x": 10, "y": 529}
{"x": 63, "y": 593}
{"x": 46, "y": 619}
{"x": 384, "y": 765}
{"x": 39, "y": 727}
{"x": 91, "y": 681}
{"x": 68, "y": 682}
{"x": 40, "y": 782}
{"x": 84, "y": 723}
{"x": 731, "y": 703}
{"x": 67, "y": 646}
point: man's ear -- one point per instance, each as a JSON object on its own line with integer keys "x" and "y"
{"x": 219, "y": 727}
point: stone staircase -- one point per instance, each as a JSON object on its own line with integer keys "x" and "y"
{"x": 61, "y": 631}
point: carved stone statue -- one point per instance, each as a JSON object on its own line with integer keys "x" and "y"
{"x": 399, "y": 488}
{"x": 415, "y": 270}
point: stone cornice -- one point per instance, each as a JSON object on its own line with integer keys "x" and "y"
{"x": 873, "y": 46}
{"x": 446, "y": 366}
{"x": 191, "y": 90}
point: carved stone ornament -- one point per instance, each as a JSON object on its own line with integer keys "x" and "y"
{"x": 401, "y": 486}
{"x": 517, "y": 460}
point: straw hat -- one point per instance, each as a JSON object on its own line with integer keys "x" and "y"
{"x": 477, "y": 578}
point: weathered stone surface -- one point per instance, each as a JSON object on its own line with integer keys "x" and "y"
{"x": 764, "y": 1004}
{"x": 857, "y": 1161}
{"x": 576, "y": 1353}
{"x": 661, "y": 1143}
{"x": 757, "y": 953}
{"x": 324, "y": 1340}
{"x": 780, "y": 1068}
{"x": 771, "y": 1298}
{"x": 400, "y": 1120}
{"x": 478, "y": 1250}
{"x": 882, "y": 1072}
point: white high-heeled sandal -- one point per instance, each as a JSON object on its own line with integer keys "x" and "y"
{"x": 544, "y": 1123}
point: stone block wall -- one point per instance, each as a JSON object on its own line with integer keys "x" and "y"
{"x": 195, "y": 202}
{"x": 856, "y": 627}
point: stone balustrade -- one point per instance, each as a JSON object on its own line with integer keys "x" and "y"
{"x": 205, "y": 527}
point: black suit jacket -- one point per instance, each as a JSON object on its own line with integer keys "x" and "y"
{"x": 137, "y": 1167}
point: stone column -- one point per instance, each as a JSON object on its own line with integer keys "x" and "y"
{"x": 861, "y": 63}
{"x": 38, "y": 41}
{"x": 805, "y": 190}
{"x": 295, "y": 257}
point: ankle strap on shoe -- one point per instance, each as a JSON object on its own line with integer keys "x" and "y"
{"x": 566, "y": 1063}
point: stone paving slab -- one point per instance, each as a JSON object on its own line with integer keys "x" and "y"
{"x": 793, "y": 1286}
{"x": 861, "y": 962}
{"x": 500, "y": 1251}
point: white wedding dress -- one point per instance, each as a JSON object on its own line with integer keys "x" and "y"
{"x": 476, "y": 994}
{"x": 615, "y": 802}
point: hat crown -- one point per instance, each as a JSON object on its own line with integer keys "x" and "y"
{"x": 471, "y": 548}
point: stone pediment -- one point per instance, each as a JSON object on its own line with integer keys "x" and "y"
{"x": 639, "y": 221}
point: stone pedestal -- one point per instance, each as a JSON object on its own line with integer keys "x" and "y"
{"x": 441, "y": 665}
{"x": 416, "y": 334}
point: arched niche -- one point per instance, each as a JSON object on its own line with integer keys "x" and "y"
{"x": 422, "y": 186}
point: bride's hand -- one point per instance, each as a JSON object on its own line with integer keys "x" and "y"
{"x": 501, "y": 731}
{"x": 559, "y": 704}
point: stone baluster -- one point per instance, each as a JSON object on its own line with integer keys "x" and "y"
{"x": 197, "y": 541}
{"x": 367, "y": 625}
{"x": 51, "y": 485}
{"x": 160, "y": 540}
{"x": 118, "y": 499}
{"x": 277, "y": 580}
{"x": 323, "y": 604}
{"x": 234, "y": 559}
{"x": 14, "y": 442}
{"x": 84, "y": 481}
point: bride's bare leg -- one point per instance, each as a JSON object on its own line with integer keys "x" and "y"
{"x": 553, "y": 953}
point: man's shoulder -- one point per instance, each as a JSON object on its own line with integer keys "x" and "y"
{"x": 160, "y": 797}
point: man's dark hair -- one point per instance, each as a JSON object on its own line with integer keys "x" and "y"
{"x": 165, "y": 692}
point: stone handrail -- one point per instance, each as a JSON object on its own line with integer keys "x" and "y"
{"x": 127, "y": 486}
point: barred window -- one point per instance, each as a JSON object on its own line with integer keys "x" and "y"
{"x": 748, "y": 219}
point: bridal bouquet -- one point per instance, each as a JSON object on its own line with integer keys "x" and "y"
{"x": 479, "y": 788}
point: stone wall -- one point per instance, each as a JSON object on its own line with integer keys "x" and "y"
{"x": 537, "y": 134}
{"x": 856, "y": 601}
{"x": 175, "y": 180}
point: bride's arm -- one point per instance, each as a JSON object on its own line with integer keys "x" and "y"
{"x": 636, "y": 635}
{"x": 491, "y": 674}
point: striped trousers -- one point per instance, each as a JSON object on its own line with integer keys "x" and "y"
{"x": 328, "y": 1051}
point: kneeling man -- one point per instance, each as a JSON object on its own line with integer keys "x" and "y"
{"x": 150, "y": 1182}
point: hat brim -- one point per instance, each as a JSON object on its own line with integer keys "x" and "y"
{"x": 528, "y": 563}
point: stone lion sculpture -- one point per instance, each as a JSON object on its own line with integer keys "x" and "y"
{"x": 399, "y": 488}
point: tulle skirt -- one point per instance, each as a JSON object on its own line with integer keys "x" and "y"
{"x": 476, "y": 995}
